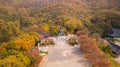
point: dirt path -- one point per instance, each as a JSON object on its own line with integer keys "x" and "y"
{"x": 63, "y": 55}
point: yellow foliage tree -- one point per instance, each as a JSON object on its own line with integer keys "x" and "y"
{"x": 45, "y": 27}
{"x": 73, "y": 24}
{"x": 54, "y": 29}
{"x": 36, "y": 36}
{"x": 24, "y": 42}
{"x": 18, "y": 60}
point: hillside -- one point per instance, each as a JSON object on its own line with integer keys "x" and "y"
{"x": 29, "y": 26}
{"x": 55, "y": 8}
{"x": 56, "y": 12}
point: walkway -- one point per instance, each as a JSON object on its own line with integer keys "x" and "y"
{"x": 63, "y": 55}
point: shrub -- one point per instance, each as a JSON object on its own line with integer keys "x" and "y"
{"x": 49, "y": 41}
{"x": 107, "y": 50}
{"x": 72, "y": 41}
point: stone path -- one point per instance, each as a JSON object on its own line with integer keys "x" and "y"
{"x": 63, "y": 55}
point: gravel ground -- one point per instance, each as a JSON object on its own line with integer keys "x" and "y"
{"x": 63, "y": 55}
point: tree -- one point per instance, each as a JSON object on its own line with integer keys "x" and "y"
{"x": 91, "y": 51}
{"x": 73, "y": 24}
{"x": 18, "y": 60}
{"x": 3, "y": 51}
{"x": 106, "y": 27}
{"x": 107, "y": 49}
{"x": 36, "y": 36}
{"x": 8, "y": 30}
{"x": 45, "y": 27}
{"x": 34, "y": 56}
{"x": 24, "y": 42}
{"x": 54, "y": 29}
{"x": 11, "y": 57}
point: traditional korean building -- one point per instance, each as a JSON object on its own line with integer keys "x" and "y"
{"x": 38, "y": 30}
{"x": 115, "y": 34}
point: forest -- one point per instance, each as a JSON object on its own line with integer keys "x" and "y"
{"x": 17, "y": 17}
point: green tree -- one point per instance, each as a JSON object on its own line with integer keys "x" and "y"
{"x": 8, "y": 30}
{"x": 104, "y": 27}
{"x": 54, "y": 29}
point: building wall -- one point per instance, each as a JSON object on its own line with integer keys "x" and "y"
{"x": 117, "y": 38}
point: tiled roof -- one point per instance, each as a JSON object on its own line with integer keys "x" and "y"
{"x": 116, "y": 32}
{"x": 38, "y": 30}
{"x": 115, "y": 48}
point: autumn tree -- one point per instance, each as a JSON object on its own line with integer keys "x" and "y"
{"x": 47, "y": 42}
{"x": 11, "y": 57}
{"x": 9, "y": 30}
{"x": 54, "y": 29}
{"x": 24, "y": 42}
{"x": 3, "y": 51}
{"x": 45, "y": 27}
{"x": 73, "y": 24}
{"x": 91, "y": 51}
{"x": 36, "y": 36}
{"x": 18, "y": 60}
{"x": 34, "y": 56}
{"x": 73, "y": 41}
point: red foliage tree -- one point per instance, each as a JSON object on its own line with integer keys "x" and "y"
{"x": 35, "y": 57}
{"x": 82, "y": 32}
{"x": 91, "y": 50}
